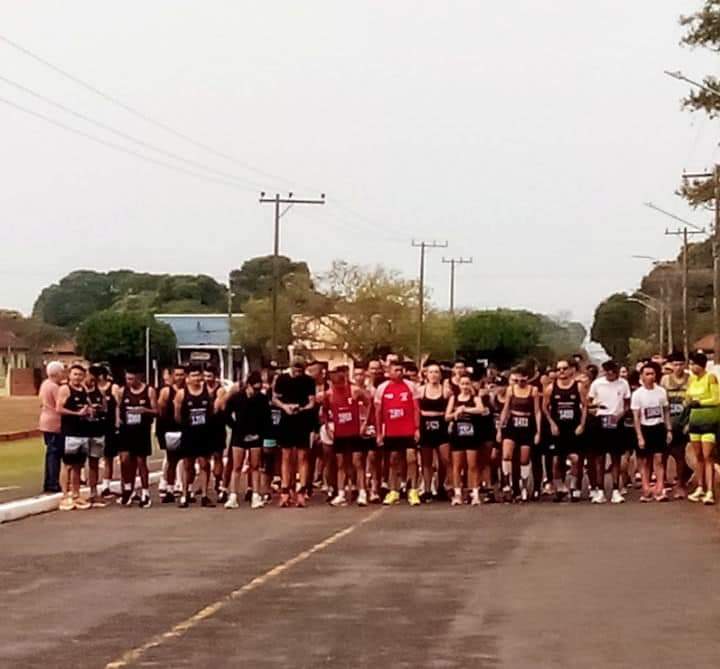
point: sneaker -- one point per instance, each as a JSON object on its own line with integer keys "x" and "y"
{"x": 442, "y": 495}
{"x": 267, "y": 498}
{"x": 413, "y": 497}
{"x": 125, "y": 498}
{"x": 662, "y": 497}
{"x": 183, "y": 502}
{"x": 67, "y": 504}
{"x": 222, "y": 496}
{"x": 134, "y": 497}
{"x": 81, "y": 503}
{"x": 426, "y": 497}
{"x": 339, "y": 500}
{"x": 646, "y": 498}
{"x": 575, "y": 496}
{"x": 284, "y": 501}
{"x": 232, "y": 502}
{"x": 523, "y": 495}
{"x": 393, "y": 497}
{"x": 167, "y": 498}
{"x": 600, "y": 497}
{"x": 593, "y": 496}
{"x": 547, "y": 489}
{"x": 507, "y": 494}
{"x": 362, "y": 498}
{"x": 709, "y": 498}
{"x": 475, "y": 497}
{"x": 257, "y": 501}
{"x": 456, "y": 500}
{"x": 696, "y": 495}
{"x": 98, "y": 502}
{"x": 106, "y": 493}
{"x": 617, "y": 497}
{"x": 145, "y": 502}
{"x": 374, "y": 498}
{"x": 300, "y": 500}
{"x": 489, "y": 497}
{"x": 207, "y": 502}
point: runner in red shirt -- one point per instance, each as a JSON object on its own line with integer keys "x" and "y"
{"x": 398, "y": 428}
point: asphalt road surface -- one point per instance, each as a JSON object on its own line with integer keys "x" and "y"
{"x": 500, "y": 586}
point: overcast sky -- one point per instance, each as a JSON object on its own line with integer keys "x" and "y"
{"x": 527, "y": 134}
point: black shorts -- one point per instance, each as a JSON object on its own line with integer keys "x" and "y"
{"x": 433, "y": 431}
{"x": 398, "y": 443}
{"x": 471, "y": 444}
{"x": 603, "y": 439}
{"x": 655, "y": 437}
{"x": 111, "y": 444}
{"x": 522, "y": 436}
{"x": 195, "y": 443}
{"x": 137, "y": 443}
{"x": 566, "y": 442}
{"x": 247, "y": 441}
{"x": 347, "y": 444}
{"x": 295, "y": 431}
{"x": 218, "y": 440}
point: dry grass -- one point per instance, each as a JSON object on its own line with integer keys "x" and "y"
{"x": 19, "y": 413}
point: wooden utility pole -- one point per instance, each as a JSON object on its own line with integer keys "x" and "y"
{"x": 422, "y": 245}
{"x": 277, "y": 201}
{"x": 452, "y": 262}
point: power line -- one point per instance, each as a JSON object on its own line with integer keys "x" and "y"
{"x": 118, "y": 147}
{"x": 136, "y": 112}
{"x": 124, "y": 135}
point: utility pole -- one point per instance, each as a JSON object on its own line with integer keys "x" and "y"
{"x": 230, "y": 363}
{"x": 685, "y": 270}
{"x": 452, "y": 262}
{"x": 422, "y": 245}
{"x": 277, "y": 200}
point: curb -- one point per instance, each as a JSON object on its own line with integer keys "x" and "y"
{"x": 32, "y": 506}
{"x": 22, "y": 434}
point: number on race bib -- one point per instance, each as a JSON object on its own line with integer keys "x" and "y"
{"x": 133, "y": 418}
{"x": 344, "y": 417}
{"x": 465, "y": 430}
{"x": 566, "y": 414}
{"x": 432, "y": 425}
{"x": 521, "y": 421}
{"x": 197, "y": 417}
{"x": 652, "y": 413}
{"x": 395, "y": 414}
{"x": 276, "y": 417}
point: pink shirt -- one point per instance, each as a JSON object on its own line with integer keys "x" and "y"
{"x": 49, "y": 417}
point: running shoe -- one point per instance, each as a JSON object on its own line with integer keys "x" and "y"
{"x": 442, "y": 494}
{"x": 81, "y": 503}
{"x": 300, "y": 501}
{"x": 662, "y": 497}
{"x": 547, "y": 489}
{"x": 168, "y": 498}
{"x": 67, "y": 504}
{"x": 222, "y": 496}
{"x": 267, "y": 498}
{"x": 106, "y": 493}
{"x": 600, "y": 497}
{"x": 426, "y": 497}
{"x": 456, "y": 500}
{"x": 575, "y": 496}
{"x": 646, "y": 498}
{"x": 257, "y": 501}
{"x": 413, "y": 497}
{"x": 207, "y": 502}
{"x": 125, "y": 498}
{"x": 232, "y": 502}
{"x": 489, "y": 497}
{"x": 617, "y": 497}
{"x": 709, "y": 498}
{"x": 362, "y": 498}
{"x": 523, "y": 495}
{"x": 593, "y": 496}
{"x": 145, "y": 502}
{"x": 183, "y": 502}
{"x": 393, "y": 497}
{"x": 284, "y": 501}
{"x": 507, "y": 494}
{"x": 475, "y": 497}
{"x": 696, "y": 495}
{"x": 98, "y": 502}
{"x": 374, "y": 498}
{"x": 339, "y": 500}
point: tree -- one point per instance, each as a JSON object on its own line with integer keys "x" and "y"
{"x": 255, "y": 278}
{"x": 617, "y": 320}
{"x": 74, "y": 298}
{"x": 119, "y": 338}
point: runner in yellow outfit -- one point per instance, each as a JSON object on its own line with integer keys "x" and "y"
{"x": 703, "y": 400}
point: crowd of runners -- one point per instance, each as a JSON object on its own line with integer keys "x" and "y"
{"x": 388, "y": 431}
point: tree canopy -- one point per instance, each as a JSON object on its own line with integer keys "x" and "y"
{"x": 617, "y": 320}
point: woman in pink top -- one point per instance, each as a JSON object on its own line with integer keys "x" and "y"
{"x": 50, "y": 425}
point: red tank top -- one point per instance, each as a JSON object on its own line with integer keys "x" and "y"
{"x": 397, "y": 409}
{"x": 345, "y": 413}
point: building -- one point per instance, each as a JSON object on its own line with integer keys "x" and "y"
{"x": 204, "y": 338}
{"x": 64, "y": 351}
{"x": 315, "y": 338}
{"x": 14, "y": 355}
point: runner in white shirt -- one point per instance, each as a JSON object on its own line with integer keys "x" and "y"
{"x": 651, "y": 412}
{"x": 610, "y": 396}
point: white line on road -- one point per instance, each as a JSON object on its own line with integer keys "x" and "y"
{"x": 207, "y": 612}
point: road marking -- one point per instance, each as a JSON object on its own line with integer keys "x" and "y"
{"x": 207, "y": 612}
{"x": 9, "y": 487}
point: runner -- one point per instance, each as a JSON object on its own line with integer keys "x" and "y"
{"x": 321, "y": 460}
{"x": 217, "y": 432}
{"x": 459, "y": 369}
{"x": 565, "y": 406}
{"x": 434, "y": 437}
{"x": 650, "y": 407}
{"x": 247, "y": 410}
{"x": 703, "y": 399}
{"x": 136, "y": 408}
{"x": 611, "y": 396}
{"x": 194, "y": 409}
{"x": 676, "y": 384}
{"x": 398, "y": 429}
{"x": 465, "y": 413}
{"x": 96, "y": 431}
{"x": 341, "y": 417}
{"x": 295, "y": 395}
{"x": 520, "y": 427}
{"x": 108, "y": 388}
{"x": 73, "y": 407}
{"x": 167, "y": 425}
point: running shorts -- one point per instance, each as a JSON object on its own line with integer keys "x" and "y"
{"x": 655, "y": 437}
{"x": 75, "y": 451}
{"x": 136, "y": 443}
{"x": 433, "y": 431}
{"x": 347, "y": 444}
{"x": 398, "y": 443}
{"x": 704, "y": 432}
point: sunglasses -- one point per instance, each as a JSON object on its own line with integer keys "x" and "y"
{"x": 562, "y": 369}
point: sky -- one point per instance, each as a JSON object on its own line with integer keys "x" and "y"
{"x": 526, "y": 134}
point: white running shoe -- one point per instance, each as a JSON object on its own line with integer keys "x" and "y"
{"x": 474, "y": 497}
{"x": 232, "y": 502}
{"x": 457, "y": 500}
{"x": 696, "y": 495}
{"x": 592, "y": 496}
{"x": 709, "y": 498}
{"x": 617, "y": 497}
{"x": 600, "y": 497}
{"x": 256, "y": 501}
{"x": 339, "y": 500}
{"x": 362, "y": 499}
{"x": 523, "y": 494}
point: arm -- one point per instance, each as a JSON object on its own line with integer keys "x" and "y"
{"x": 118, "y": 402}
{"x": 547, "y": 394}
{"x": 714, "y": 399}
{"x": 162, "y": 401}
{"x": 450, "y": 410}
{"x": 179, "y": 396}
{"x": 638, "y": 428}
{"x": 538, "y": 416}
{"x": 583, "y": 408}
{"x": 219, "y": 403}
{"x": 152, "y": 395}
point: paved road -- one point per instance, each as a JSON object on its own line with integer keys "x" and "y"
{"x": 541, "y": 585}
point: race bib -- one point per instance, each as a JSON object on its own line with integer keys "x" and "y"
{"x": 432, "y": 425}
{"x": 133, "y": 418}
{"x": 276, "y": 417}
{"x": 651, "y": 413}
{"x": 465, "y": 430}
{"x": 251, "y": 437}
{"x": 609, "y": 422}
{"x": 344, "y": 417}
{"x": 520, "y": 421}
{"x": 566, "y": 414}
{"x": 676, "y": 408}
{"x": 396, "y": 414}
{"x": 198, "y": 417}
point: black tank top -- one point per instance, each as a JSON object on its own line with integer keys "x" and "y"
{"x": 166, "y": 419}
{"x": 466, "y": 425}
{"x": 130, "y": 403}
{"x": 96, "y": 424}
{"x": 439, "y": 404}
{"x": 111, "y": 405}
{"x": 565, "y": 407}
{"x": 74, "y": 426}
{"x": 196, "y": 410}
{"x": 522, "y": 411}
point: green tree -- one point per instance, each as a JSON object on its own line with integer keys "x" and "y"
{"x": 254, "y": 280}
{"x": 119, "y": 338}
{"x": 617, "y": 320}
{"x": 74, "y": 298}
